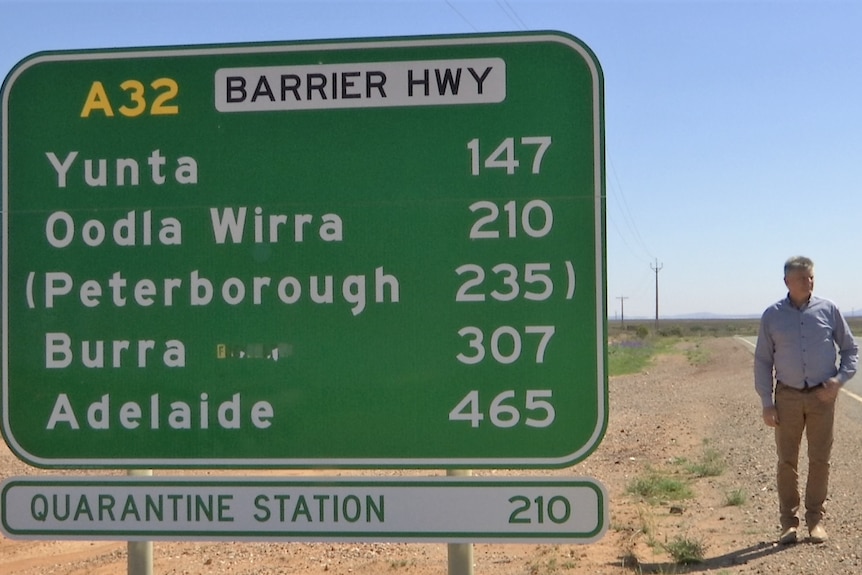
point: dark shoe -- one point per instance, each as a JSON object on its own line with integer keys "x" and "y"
{"x": 817, "y": 533}
{"x": 788, "y": 536}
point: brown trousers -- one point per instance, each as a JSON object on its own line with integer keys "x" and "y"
{"x": 800, "y": 411}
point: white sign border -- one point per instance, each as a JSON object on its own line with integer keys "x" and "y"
{"x": 427, "y": 509}
{"x": 463, "y": 40}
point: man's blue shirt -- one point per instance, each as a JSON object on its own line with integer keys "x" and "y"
{"x": 798, "y": 346}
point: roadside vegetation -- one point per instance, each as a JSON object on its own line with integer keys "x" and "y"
{"x": 710, "y": 463}
{"x": 671, "y": 488}
{"x": 631, "y": 347}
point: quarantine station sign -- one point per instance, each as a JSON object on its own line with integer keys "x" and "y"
{"x": 369, "y": 253}
{"x": 430, "y": 509}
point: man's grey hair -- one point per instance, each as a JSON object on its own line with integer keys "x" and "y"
{"x": 798, "y": 263}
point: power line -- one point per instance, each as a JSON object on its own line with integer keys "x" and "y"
{"x": 639, "y": 288}
{"x": 622, "y": 237}
{"x": 509, "y": 10}
{"x": 464, "y": 18}
{"x": 628, "y": 219}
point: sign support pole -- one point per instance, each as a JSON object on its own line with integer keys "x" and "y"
{"x": 460, "y": 554}
{"x": 140, "y": 553}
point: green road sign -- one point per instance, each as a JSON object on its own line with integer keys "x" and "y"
{"x": 440, "y": 509}
{"x": 365, "y": 253}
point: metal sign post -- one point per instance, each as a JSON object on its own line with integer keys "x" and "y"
{"x": 460, "y": 555}
{"x": 140, "y": 553}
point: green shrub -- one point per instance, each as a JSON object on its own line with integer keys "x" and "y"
{"x": 656, "y": 487}
{"x": 710, "y": 464}
{"x": 735, "y": 498}
{"x": 686, "y": 550}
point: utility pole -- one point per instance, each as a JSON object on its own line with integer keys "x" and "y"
{"x": 656, "y": 268}
{"x": 622, "y": 312}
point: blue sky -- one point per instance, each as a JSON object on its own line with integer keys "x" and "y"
{"x": 733, "y": 128}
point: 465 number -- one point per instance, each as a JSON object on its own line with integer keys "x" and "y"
{"x": 503, "y": 413}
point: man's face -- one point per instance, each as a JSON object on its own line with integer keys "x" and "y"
{"x": 800, "y": 283}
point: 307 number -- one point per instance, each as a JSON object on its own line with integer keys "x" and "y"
{"x": 502, "y": 412}
{"x": 505, "y": 343}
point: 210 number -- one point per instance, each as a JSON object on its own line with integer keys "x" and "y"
{"x": 537, "y": 219}
{"x": 557, "y": 509}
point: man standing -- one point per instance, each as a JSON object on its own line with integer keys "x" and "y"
{"x": 796, "y": 376}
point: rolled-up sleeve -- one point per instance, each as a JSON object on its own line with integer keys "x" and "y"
{"x": 848, "y": 350}
{"x": 764, "y": 362}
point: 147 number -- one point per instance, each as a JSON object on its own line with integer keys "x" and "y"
{"x": 503, "y": 156}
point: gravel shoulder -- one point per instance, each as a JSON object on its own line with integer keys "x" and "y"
{"x": 671, "y": 413}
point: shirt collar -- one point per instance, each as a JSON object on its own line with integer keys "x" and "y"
{"x": 803, "y": 306}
